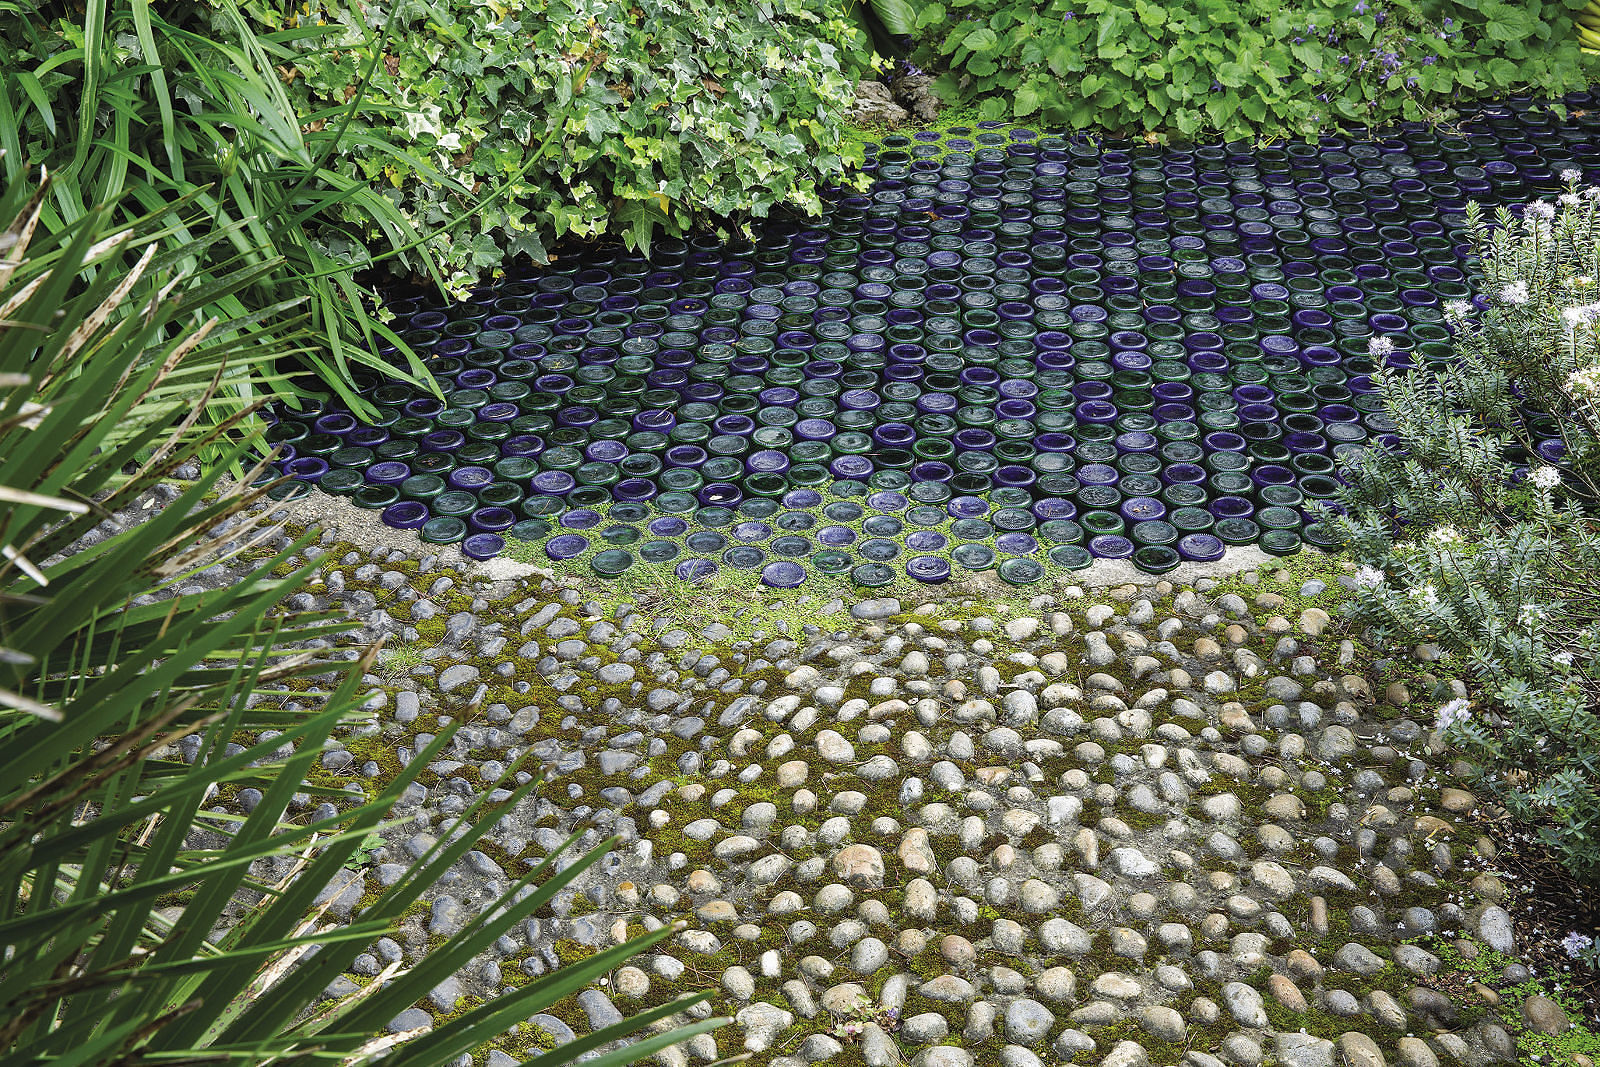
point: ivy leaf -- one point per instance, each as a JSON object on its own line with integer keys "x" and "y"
{"x": 1309, "y": 54}
{"x": 981, "y": 39}
{"x": 1063, "y": 59}
{"x": 1027, "y": 101}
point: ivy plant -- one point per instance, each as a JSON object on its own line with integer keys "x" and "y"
{"x": 1241, "y": 68}
{"x": 665, "y": 114}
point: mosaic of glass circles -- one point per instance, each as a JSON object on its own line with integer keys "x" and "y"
{"x": 1016, "y": 351}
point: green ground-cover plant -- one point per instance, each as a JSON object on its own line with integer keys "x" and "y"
{"x": 1470, "y": 539}
{"x": 663, "y": 114}
{"x": 141, "y": 107}
{"x": 140, "y": 923}
{"x": 1191, "y": 68}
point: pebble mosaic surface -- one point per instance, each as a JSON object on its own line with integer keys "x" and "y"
{"x": 1132, "y": 827}
{"x": 1015, "y": 351}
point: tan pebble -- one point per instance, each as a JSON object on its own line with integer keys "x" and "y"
{"x": 915, "y": 853}
{"x": 702, "y": 881}
{"x": 716, "y": 911}
{"x": 1179, "y": 679}
{"x": 1303, "y": 965}
{"x": 1277, "y": 624}
{"x": 1397, "y": 694}
{"x": 1319, "y": 916}
{"x": 1285, "y": 807}
{"x": 1205, "y": 648}
{"x": 1235, "y": 719}
{"x": 957, "y": 950}
{"x": 1457, "y": 801}
{"x": 1285, "y": 992}
{"x": 1356, "y": 687}
{"x": 1236, "y": 634}
{"x": 1270, "y": 601}
{"x": 1313, "y": 621}
{"x": 1432, "y": 824}
{"x": 1088, "y": 847}
{"x": 992, "y": 775}
{"x": 1489, "y": 888}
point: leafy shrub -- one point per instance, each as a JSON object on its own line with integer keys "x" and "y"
{"x": 1187, "y": 67}
{"x": 187, "y": 119}
{"x": 1470, "y": 538}
{"x": 136, "y": 925}
{"x": 661, "y": 114}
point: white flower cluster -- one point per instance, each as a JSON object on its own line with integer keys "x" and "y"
{"x": 1458, "y": 309}
{"x": 1562, "y": 659}
{"x": 1368, "y": 577}
{"x": 1456, "y": 711}
{"x": 1584, "y": 382}
{"x": 1446, "y": 535}
{"x": 1379, "y": 346}
{"x": 1571, "y": 174}
{"x": 1581, "y": 315}
{"x": 1515, "y": 293}
{"x": 1581, "y": 281}
{"x": 1425, "y": 594}
{"x": 1540, "y": 209}
{"x": 1575, "y": 944}
{"x": 1545, "y": 477}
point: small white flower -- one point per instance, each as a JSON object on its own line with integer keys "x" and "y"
{"x": 1458, "y": 309}
{"x": 1540, "y": 209}
{"x": 1569, "y": 199}
{"x": 1368, "y": 577}
{"x": 1528, "y": 615}
{"x": 1571, "y": 174}
{"x": 1380, "y": 346}
{"x": 1515, "y": 293}
{"x": 1456, "y": 711}
{"x": 1584, "y": 381}
{"x": 1426, "y": 594}
{"x": 1545, "y": 477}
{"x": 1561, "y": 659}
{"x": 1445, "y": 535}
{"x": 1575, "y": 943}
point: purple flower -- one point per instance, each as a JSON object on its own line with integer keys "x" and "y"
{"x": 1344, "y": 61}
{"x": 1361, "y": 7}
{"x": 1299, "y": 40}
{"x": 1323, "y": 97}
{"x": 1070, "y": 16}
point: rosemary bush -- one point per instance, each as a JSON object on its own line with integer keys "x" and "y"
{"x": 1477, "y": 529}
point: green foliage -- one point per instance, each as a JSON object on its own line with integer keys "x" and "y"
{"x": 124, "y": 107}
{"x": 660, "y": 114}
{"x": 1463, "y": 546}
{"x": 1534, "y": 1049}
{"x": 1192, "y": 68}
{"x": 138, "y": 923}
